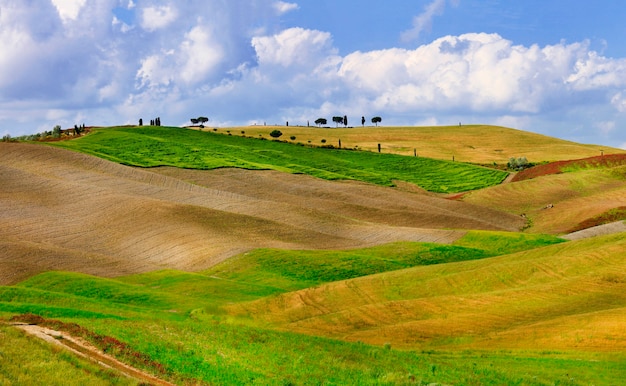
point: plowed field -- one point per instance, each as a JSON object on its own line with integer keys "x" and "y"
{"x": 61, "y": 210}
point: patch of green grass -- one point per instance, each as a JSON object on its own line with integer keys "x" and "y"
{"x": 28, "y": 361}
{"x": 103, "y": 290}
{"x": 293, "y": 270}
{"x": 503, "y": 243}
{"x": 199, "y": 290}
{"x": 223, "y": 353}
{"x": 209, "y": 346}
{"x": 162, "y": 146}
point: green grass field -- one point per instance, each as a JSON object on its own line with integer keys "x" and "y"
{"x": 182, "y": 321}
{"x": 162, "y": 146}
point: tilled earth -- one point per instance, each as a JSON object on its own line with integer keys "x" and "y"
{"x": 61, "y": 210}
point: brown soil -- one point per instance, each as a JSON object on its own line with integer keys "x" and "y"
{"x": 61, "y": 210}
{"x": 82, "y": 348}
{"x": 605, "y": 161}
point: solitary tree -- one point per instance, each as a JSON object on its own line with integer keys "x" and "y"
{"x": 320, "y": 121}
{"x": 337, "y": 120}
{"x": 345, "y": 120}
{"x": 362, "y": 121}
{"x": 376, "y": 120}
{"x": 203, "y": 120}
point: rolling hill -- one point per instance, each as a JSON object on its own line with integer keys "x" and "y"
{"x": 291, "y": 264}
{"x": 68, "y": 211}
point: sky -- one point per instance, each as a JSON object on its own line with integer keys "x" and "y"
{"x": 554, "y": 67}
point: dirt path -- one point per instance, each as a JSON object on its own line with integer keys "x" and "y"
{"x": 86, "y": 350}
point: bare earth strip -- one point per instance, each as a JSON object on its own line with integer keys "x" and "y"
{"x": 606, "y": 229}
{"x": 86, "y": 350}
{"x": 61, "y": 210}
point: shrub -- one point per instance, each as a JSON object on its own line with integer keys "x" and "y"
{"x": 518, "y": 163}
{"x": 293, "y": 137}
{"x": 275, "y": 133}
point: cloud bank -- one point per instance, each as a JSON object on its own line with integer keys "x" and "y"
{"x": 77, "y": 61}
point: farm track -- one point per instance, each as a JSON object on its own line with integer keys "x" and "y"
{"x": 82, "y": 348}
{"x": 61, "y": 210}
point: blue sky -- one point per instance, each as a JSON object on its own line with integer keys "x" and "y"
{"x": 554, "y": 67}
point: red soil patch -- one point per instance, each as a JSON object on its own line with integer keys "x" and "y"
{"x": 605, "y": 161}
{"x": 613, "y": 215}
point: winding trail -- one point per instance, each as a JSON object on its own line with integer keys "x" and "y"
{"x": 82, "y": 348}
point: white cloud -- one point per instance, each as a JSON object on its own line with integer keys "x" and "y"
{"x": 225, "y": 64}
{"x": 475, "y": 72}
{"x": 68, "y": 9}
{"x": 605, "y": 127}
{"x": 201, "y": 53}
{"x": 284, "y": 7}
{"x": 424, "y": 20}
{"x": 158, "y": 17}
{"x": 293, "y": 47}
{"x": 619, "y": 101}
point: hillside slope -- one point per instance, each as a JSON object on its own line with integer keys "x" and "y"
{"x": 63, "y": 210}
{"x": 467, "y": 143}
{"x": 558, "y": 203}
{"x": 566, "y": 296}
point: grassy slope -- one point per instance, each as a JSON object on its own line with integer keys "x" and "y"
{"x": 468, "y": 143}
{"x": 523, "y": 300}
{"x": 293, "y": 270}
{"x": 563, "y": 297}
{"x": 576, "y": 196}
{"x": 174, "y": 317}
{"x": 154, "y": 146}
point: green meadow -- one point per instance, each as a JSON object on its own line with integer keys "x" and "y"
{"x": 182, "y": 322}
{"x": 491, "y": 308}
{"x": 192, "y": 149}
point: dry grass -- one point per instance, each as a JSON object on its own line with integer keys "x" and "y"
{"x": 67, "y": 211}
{"x": 566, "y": 296}
{"x": 482, "y": 144}
{"x": 575, "y": 197}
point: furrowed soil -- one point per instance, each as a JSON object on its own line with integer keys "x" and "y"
{"x": 63, "y": 210}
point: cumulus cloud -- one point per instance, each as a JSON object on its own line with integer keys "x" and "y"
{"x": 157, "y": 17}
{"x": 284, "y": 7}
{"x": 294, "y": 47}
{"x": 181, "y": 59}
{"x": 68, "y": 9}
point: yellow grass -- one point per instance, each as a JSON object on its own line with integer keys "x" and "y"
{"x": 468, "y": 143}
{"x": 557, "y": 297}
{"x": 575, "y": 197}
